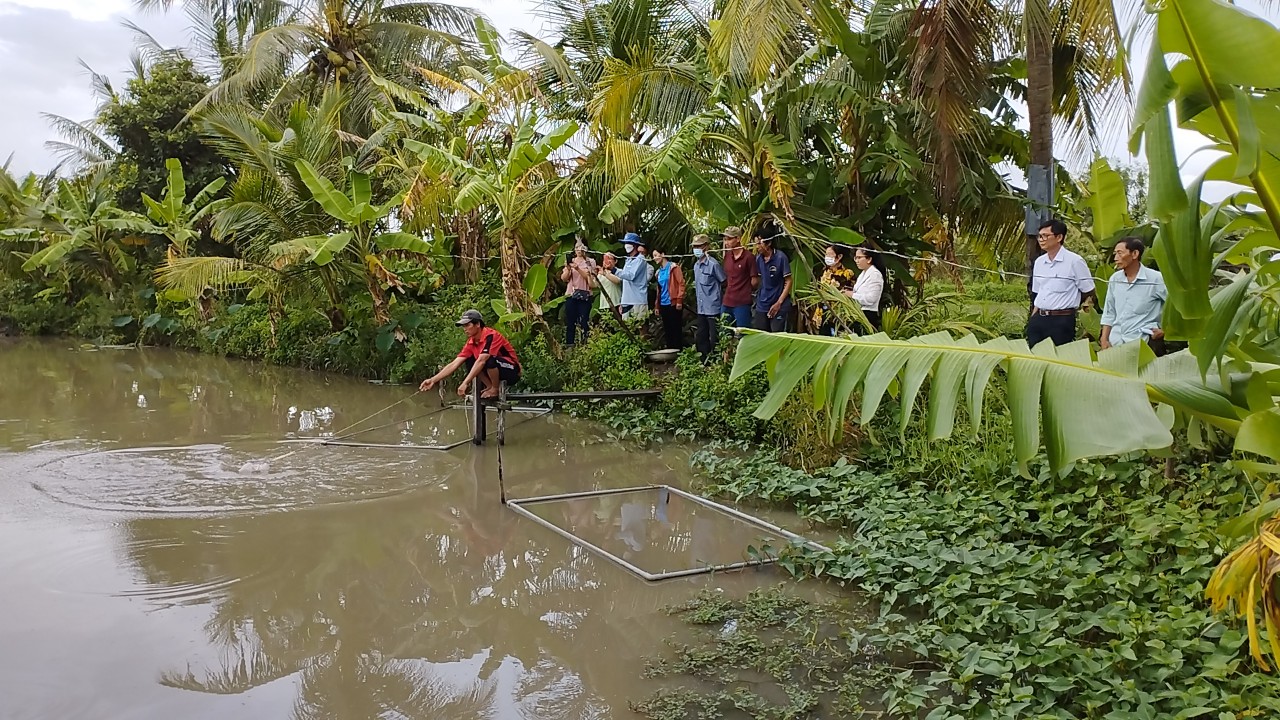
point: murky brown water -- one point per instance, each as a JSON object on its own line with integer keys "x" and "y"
{"x": 164, "y": 554}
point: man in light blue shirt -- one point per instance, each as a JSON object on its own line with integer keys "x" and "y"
{"x": 1135, "y": 298}
{"x": 708, "y": 288}
{"x": 635, "y": 276}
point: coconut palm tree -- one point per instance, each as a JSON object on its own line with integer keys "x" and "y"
{"x": 1073, "y": 50}
{"x": 299, "y": 49}
{"x": 824, "y": 139}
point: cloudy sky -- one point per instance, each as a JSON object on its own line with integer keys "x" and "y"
{"x": 42, "y": 42}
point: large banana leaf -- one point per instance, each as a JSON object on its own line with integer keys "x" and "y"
{"x": 1085, "y": 408}
{"x": 403, "y": 241}
{"x": 330, "y": 198}
{"x": 1109, "y": 201}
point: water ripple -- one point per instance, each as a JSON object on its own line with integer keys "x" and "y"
{"x": 215, "y": 478}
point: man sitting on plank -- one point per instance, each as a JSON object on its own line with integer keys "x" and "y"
{"x": 493, "y": 358}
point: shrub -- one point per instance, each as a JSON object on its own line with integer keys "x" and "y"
{"x": 608, "y": 361}
{"x": 1018, "y": 598}
{"x": 21, "y": 309}
{"x": 701, "y": 401}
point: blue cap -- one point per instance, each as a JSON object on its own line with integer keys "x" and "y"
{"x": 633, "y": 238}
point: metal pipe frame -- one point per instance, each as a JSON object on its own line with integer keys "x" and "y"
{"x": 516, "y": 505}
{"x": 391, "y": 446}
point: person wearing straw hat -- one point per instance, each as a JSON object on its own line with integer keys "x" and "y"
{"x": 635, "y": 276}
{"x": 579, "y": 276}
{"x": 492, "y": 359}
{"x": 708, "y": 291}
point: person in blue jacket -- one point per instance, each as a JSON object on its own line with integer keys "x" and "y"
{"x": 635, "y": 276}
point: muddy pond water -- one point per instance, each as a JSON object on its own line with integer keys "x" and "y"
{"x": 169, "y": 549}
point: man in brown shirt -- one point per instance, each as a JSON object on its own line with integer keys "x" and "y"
{"x": 741, "y": 275}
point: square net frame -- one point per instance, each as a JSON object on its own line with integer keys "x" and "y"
{"x": 517, "y": 505}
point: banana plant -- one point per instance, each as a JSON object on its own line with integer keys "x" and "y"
{"x": 363, "y": 247}
{"x": 1220, "y": 260}
{"x": 175, "y": 218}
{"x": 512, "y": 186}
{"x": 82, "y": 230}
{"x": 1221, "y": 66}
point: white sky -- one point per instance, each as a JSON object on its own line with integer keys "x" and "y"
{"x": 41, "y": 42}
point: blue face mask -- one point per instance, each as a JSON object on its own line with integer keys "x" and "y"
{"x": 698, "y": 252}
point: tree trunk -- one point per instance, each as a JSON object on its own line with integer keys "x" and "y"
{"x": 517, "y": 299}
{"x": 1040, "y": 117}
{"x": 471, "y": 245}
{"x": 513, "y": 275}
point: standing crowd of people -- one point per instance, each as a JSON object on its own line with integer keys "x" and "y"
{"x": 753, "y": 288}
{"x": 746, "y": 288}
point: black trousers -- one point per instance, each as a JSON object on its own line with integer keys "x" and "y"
{"x": 706, "y": 334}
{"x": 672, "y": 326}
{"x": 760, "y": 320}
{"x": 1060, "y": 328}
{"x": 577, "y": 314}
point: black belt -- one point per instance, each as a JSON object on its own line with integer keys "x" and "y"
{"x": 1068, "y": 311}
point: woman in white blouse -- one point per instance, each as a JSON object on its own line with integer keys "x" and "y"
{"x": 869, "y": 286}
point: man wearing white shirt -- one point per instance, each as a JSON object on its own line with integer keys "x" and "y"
{"x": 1135, "y": 298}
{"x": 1060, "y": 282}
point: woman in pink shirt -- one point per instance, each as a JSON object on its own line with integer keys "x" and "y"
{"x": 579, "y": 275}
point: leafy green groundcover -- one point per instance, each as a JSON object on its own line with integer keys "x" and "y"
{"x": 1027, "y": 598}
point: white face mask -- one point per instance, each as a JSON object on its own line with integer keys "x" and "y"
{"x": 698, "y": 252}
{"x": 629, "y": 248}
{"x": 829, "y": 260}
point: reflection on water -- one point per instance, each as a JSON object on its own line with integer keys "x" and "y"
{"x": 170, "y": 558}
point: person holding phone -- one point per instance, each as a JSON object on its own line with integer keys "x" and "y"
{"x": 579, "y": 275}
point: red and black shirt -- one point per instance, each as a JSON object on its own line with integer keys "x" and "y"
{"x": 489, "y": 341}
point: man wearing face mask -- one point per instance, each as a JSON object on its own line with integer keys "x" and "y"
{"x": 708, "y": 287}
{"x": 635, "y": 276}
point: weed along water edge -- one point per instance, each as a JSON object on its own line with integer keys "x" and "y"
{"x": 166, "y": 555}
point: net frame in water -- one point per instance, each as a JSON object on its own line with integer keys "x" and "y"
{"x": 517, "y": 505}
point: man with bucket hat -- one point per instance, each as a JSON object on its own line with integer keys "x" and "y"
{"x": 492, "y": 358}
{"x": 635, "y": 276}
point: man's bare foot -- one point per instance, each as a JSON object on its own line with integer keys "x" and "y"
{"x": 489, "y": 393}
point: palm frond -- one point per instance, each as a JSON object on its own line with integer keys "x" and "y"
{"x": 753, "y": 38}
{"x": 82, "y": 146}
{"x": 951, "y": 51}
{"x": 191, "y": 275}
{"x": 645, "y": 92}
